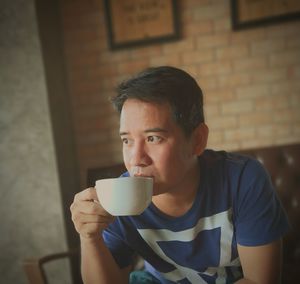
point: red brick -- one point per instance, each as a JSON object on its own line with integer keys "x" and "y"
{"x": 269, "y": 75}
{"x": 202, "y": 28}
{"x": 293, "y": 42}
{"x": 199, "y": 56}
{"x": 212, "y": 40}
{"x": 222, "y": 24}
{"x": 82, "y": 36}
{"x": 131, "y": 67}
{"x": 219, "y": 96}
{"x": 202, "y": 12}
{"x": 256, "y": 119}
{"x": 221, "y": 122}
{"x": 215, "y": 137}
{"x": 256, "y": 142}
{"x": 247, "y": 36}
{"x": 285, "y": 58}
{"x": 207, "y": 83}
{"x": 237, "y": 107}
{"x": 146, "y": 52}
{"x": 290, "y": 29}
{"x": 253, "y": 64}
{"x": 179, "y": 46}
{"x": 253, "y": 91}
{"x": 231, "y": 52}
{"x": 172, "y": 59}
{"x": 215, "y": 68}
{"x": 239, "y": 134}
{"x": 267, "y": 46}
{"x": 287, "y": 87}
{"x": 233, "y": 80}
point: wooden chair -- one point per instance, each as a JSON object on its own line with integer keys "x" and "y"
{"x": 34, "y": 268}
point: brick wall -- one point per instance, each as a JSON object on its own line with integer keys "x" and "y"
{"x": 250, "y": 78}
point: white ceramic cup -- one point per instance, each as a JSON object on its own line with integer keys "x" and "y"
{"x": 125, "y": 196}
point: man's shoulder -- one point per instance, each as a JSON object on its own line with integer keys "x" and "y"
{"x": 213, "y": 157}
{"x": 230, "y": 162}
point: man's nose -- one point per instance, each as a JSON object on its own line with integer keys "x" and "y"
{"x": 139, "y": 155}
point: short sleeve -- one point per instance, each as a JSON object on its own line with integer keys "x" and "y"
{"x": 260, "y": 218}
{"x": 114, "y": 239}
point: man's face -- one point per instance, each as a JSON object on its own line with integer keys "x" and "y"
{"x": 154, "y": 145}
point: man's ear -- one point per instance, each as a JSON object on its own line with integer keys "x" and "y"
{"x": 200, "y": 136}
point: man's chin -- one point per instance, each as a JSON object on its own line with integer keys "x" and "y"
{"x": 157, "y": 190}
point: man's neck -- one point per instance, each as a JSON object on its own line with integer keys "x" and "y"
{"x": 178, "y": 202}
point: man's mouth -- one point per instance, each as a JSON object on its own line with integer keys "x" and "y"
{"x": 139, "y": 172}
{"x": 143, "y": 175}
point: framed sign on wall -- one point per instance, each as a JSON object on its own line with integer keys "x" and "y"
{"x": 139, "y": 22}
{"x": 251, "y": 13}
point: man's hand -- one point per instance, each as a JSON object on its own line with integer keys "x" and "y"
{"x": 88, "y": 215}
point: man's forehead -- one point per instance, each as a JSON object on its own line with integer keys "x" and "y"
{"x": 145, "y": 116}
{"x": 139, "y": 109}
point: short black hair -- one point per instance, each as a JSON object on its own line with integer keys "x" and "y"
{"x": 166, "y": 84}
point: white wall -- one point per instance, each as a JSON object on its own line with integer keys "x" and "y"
{"x": 31, "y": 220}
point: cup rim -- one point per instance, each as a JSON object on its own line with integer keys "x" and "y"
{"x": 130, "y": 177}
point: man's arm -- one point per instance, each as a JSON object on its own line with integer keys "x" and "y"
{"x": 98, "y": 265}
{"x": 261, "y": 264}
{"x": 90, "y": 219}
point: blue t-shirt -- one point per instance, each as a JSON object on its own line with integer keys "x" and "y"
{"x": 235, "y": 204}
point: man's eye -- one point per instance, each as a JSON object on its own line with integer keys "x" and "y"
{"x": 154, "y": 139}
{"x": 125, "y": 140}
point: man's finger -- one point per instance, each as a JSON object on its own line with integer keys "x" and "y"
{"x": 87, "y": 194}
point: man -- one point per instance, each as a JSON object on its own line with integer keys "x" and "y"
{"x": 214, "y": 216}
